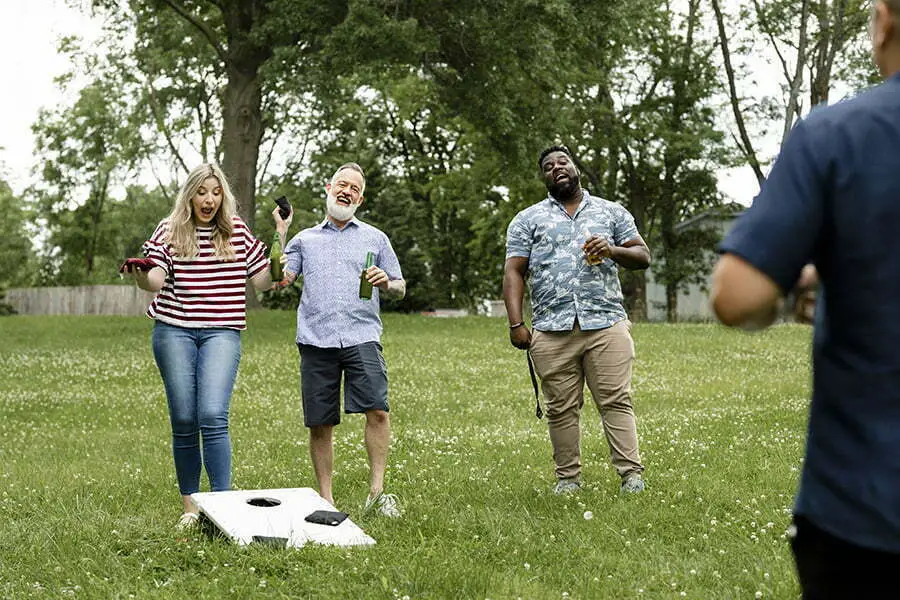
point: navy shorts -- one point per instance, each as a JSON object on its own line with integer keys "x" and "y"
{"x": 365, "y": 381}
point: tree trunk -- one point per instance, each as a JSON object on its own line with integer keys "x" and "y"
{"x": 634, "y": 283}
{"x": 99, "y": 201}
{"x": 792, "y": 109}
{"x": 242, "y": 130}
{"x": 671, "y": 303}
{"x": 834, "y": 37}
{"x": 634, "y": 290}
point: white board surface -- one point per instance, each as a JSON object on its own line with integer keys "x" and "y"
{"x": 276, "y": 516}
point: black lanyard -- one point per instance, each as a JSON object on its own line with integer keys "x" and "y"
{"x": 534, "y": 383}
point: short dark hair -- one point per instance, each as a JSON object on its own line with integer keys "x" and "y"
{"x": 557, "y": 148}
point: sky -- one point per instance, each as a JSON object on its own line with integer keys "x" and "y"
{"x": 29, "y": 34}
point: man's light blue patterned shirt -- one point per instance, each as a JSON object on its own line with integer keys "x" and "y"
{"x": 331, "y": 313}
{"x": 563, "y": 285}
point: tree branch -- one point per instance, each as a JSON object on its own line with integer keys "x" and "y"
{"x": 201, "y": 26}
{"x": 793, "y": 108}
{"x": 746, "y": 145}
{"x": 161, "y": 124}
{"x": 763, "y": 22}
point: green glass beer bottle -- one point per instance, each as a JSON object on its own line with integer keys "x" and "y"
{"x": 365, "y": 288}
{"x": 275, "y": 259}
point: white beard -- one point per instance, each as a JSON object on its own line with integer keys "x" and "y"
{"x": 339, "y": 211}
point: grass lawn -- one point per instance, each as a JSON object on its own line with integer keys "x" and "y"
{"x": 89, "y": 498}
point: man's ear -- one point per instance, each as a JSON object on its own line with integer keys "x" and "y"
{"x": 327, "y": 188}
{"x": 883, "y": 25}
{"x": 361, "y": 200}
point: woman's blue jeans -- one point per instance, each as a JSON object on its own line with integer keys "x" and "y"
{"x": 198, "y": 368}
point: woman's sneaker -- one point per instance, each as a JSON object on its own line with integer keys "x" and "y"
{"x": 386, "y": 504}
{"x": 188, "y": 522}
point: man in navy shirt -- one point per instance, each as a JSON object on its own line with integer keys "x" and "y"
{"x": 833, "y": 200}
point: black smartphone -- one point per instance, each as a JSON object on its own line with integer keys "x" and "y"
{"x": 326, "y": 517}
{"x": 284, "y": 207}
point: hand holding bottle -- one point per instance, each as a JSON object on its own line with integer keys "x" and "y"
{"x": 372, "y": 276}
{"x": 283, "y": 214}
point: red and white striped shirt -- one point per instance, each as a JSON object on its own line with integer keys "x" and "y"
{"x": 205, "y": 291}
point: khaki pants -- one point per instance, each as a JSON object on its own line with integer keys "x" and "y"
{"x": 564, "y": 360}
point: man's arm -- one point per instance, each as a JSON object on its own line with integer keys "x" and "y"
{"x": 380, "y": 279}
{"x": 395, "y": 287}
{"x": 805, "y": 295}
{"x": 514, "y": 271}
{"x": 742, "y": 295}
{"x": 633, "y": 254}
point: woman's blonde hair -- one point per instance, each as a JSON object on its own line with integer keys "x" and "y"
{"x": 182, "y": 226}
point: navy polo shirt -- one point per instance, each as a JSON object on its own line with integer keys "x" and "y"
{"x": 833, "y": 198}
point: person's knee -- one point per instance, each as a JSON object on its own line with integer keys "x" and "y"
{"x": 213, "y": 420}
{"x": 378, "y": 418}
{"x": 184, "y": 424}
{"x": 620, "y": 400}
{"x": 319, "y": 433}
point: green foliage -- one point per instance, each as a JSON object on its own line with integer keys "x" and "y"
{"x": 85, "y": 149}
{"x": 6, "y": 309}
{"x": 445, "y": 109}
{"x": 286, "y": 298}
{"x": 91, "y": 500}
{"x": 18, "y": 263}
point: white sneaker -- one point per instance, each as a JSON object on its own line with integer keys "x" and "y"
{"x": 187, "y": 522}
{"x": 386, "y": 504}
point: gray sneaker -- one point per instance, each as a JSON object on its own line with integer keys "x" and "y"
{"x": 567, "y": 486}
{"x": 632, "y": 484}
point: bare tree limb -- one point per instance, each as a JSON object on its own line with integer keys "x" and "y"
{"x": 745, "y": 145}
{"x": 161, "y": 124}
{"x": 764, "y": 24}
{"x": 793, "y": 108}
{"x": 201, "y": 26}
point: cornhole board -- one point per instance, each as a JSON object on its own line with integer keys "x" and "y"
{"x": 276, "y": 517}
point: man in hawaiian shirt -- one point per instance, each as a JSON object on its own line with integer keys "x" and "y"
{"x": 572, "y": 244}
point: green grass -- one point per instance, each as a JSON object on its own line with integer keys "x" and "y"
{"x": 89, "y": 499}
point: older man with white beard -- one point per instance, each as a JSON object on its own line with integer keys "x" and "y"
{"x": 339, "y": 332}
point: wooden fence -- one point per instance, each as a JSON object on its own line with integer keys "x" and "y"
{"x": 80, "y": 300}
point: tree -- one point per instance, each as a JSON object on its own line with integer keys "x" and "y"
{"x": 84, "y": 148}
{"x": 646, "y": 136}
{"x": 244, "y": 36}
{"x": 811, "y": 43}
{"x": 17, "y": 253}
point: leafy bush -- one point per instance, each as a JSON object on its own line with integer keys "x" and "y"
{"x": 287, "y": 298}
{"x": 5, "y": 308}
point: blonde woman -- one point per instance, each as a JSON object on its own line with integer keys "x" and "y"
{"x": 198, "y": 261}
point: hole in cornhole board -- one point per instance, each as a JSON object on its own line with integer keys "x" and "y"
{"x": 263, "y": 502}
{"x": 276, "y": 518}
